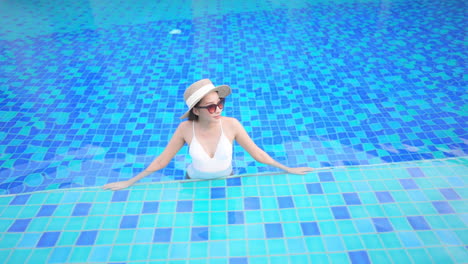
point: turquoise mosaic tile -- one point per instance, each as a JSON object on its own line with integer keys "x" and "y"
{"x": 245, "y": 229}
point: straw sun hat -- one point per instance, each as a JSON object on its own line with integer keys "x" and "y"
{"x": 199, "y": 89}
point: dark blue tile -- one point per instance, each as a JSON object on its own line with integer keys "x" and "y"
{"x": 150, "y": 207}
{"x": 450, "y": 194}
{"x": 418, "y": 223}
{"x": 382, "y": 225}
{"x": 443, "y": 207}
{"x": 218, "y": 192}
{"x": 273, "y": 230}
{"x": 48, "y": 239}
{"x": 19, "y": 225}
{"x": 120, "y": 196}
{"x": 326, "y": 176}
{"x": 408, "y": 184}
{"x": 234, "y": 181}
{"x": 46, "y": 210}
{"x": 351, "y": 198}
{"x": 285, "y": 202}
{"x": 200, "y": 234}
{"x": 81, "y": 209}
{"x": 359, "y": 257}
{"x": 251, "y": 203}
{"x": 184, "y": 206}
{"x": 416, "y": 172}
{"x": 239, "y": 260}
{"x": 384, "y": 197}
{"x": 87, "y": 238}
{"x": 235, "y": 217}
{"x": 162, "y": 235}
{"x": 340, "y": 212}
{"x": 129, "y": 221}
{"x": 20, "y": 199}
{"x": 314, "y": 188}
{"x": 310, "y": 229}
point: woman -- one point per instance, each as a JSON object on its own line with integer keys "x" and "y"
{"x": 209, "y": 136}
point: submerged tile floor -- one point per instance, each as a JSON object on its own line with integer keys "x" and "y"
{"x": 394, "y": 213}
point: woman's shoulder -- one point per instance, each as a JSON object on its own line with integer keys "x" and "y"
{"x": 231, "y": 123}
{"x": 185, "y": 125}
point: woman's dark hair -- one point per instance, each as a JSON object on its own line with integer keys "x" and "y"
{"x": 192, "y": 116}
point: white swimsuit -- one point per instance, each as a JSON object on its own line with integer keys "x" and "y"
{"x": 205, "y": 167}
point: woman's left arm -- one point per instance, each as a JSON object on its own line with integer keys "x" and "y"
{"x": 258, "y": 154}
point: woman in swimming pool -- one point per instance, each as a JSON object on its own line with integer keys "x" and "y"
{"x": 209, "y": 136}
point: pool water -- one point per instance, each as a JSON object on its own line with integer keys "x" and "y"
{"x": 372, "y": 93}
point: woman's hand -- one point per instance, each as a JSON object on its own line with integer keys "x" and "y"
{"x": 115, "y": 186}
{"x": 299, "y": 170}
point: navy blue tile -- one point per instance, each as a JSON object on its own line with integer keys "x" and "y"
{"x": 234, "y": 181}
{"x": 416, "y": 172}
{"x": 285, "y": 202}
{"x": 418, "y": 222}
{"x": 150, "y": 207}
{"x": 87, "y": 238}
{"x": 238, "y": 260}
{"x": 384, "y": 197}
{"x": 120, "y": 196}
{"x": 314, "y": 188}
{"x": 81, "y": 209}
{"x": 48, "y": 239}
{"x": 382, "y": 224}
{"x": 162, "y": 235}
{"x": 450, "y": 194}
{"x": 351, "y": 198}
{"x": 310, "y": 229}
{"x": 184, "y": 206}
{"x": 218, "y": 192}
{"x": 359, "y": 257}
{"x": 340, "y": 212}
{"x": 273, "y": 230}
{"x": 200, "y": 233}
{"x": 251, "y": 203}
{"x": 129, "y": 221}
{"x": 19, "y": 225}
{"x": 408, "y": 184}
{"x": 46, "y": 210}
{"x": 443, "y": 207}
{"x": 20, "y": 199}
{"x": 235, "y": 217}
{"x": 326, "y": 176}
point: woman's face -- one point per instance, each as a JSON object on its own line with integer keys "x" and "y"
{"x": 209, "y": 99}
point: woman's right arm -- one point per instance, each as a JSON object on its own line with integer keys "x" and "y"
{"x": 175, "y": 144}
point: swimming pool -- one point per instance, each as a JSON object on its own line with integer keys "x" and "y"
{"x": 91, "y": 92}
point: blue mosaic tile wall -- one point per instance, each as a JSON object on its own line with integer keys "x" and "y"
{"x": 87, "y": 98}
{"x": 394, "y": 213}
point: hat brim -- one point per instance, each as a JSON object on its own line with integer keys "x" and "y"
{"x": 223, "y": 91}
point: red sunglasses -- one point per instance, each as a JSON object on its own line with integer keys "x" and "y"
{"x": 212, "y": 107}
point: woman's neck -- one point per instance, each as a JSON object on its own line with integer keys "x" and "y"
{"x": 207, "y": 124}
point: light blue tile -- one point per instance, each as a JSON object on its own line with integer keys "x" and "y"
{"x": 276, "y": 246}
{"x": 68, "y": 238}
{"x": 80, "y": 254}
{"x": 257, "y": 247}
{"x": 237, "y": 248}
{"x": 29, "y": 240}
{"x": 140, "y": 252}
{"x": 218, "y": 248}
{"x": 409, "y": 239}
{"x": 296, "y": 246}
{"x": 334, "y": 243}
{"x": 60, "y": 255}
